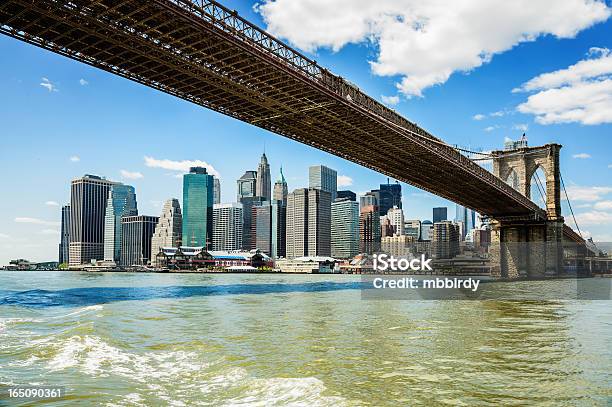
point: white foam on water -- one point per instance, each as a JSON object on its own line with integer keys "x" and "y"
{"x": 81, "y": 311}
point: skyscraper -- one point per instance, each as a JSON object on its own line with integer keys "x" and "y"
{"x": 369, "y": 229}
{"x": 197, "y": 207}
{"x": 389, "y": 195}
{"x": 137, "y": 233}
{"x": 261, "y": 228}
{"x": 445, "y": 240}
{"x": 227, "y": 221}
{"x": 279, "y": 229}
{"x": 396, "y": 217}
{"x": 308, "y": 223}
{"x": 323, "y": 178}
{"x": 412, "y": 228}
{"x": 65, "y": 235}
{"x": 121, "y": 202}
{"x": 467, "y": 217}
{"x": 368, "y": 199}
{"x": 426, "y": 230}
{"x": 216, "y": 190}
{"x": 440, "y": 214}
{"x": 247, "y": 185}
{"x": 280, "y": 188}
{"x": 248, "y": 203}
{"x": 88, "y": 198}
{"x": 169, "y": 229}
{"x": 346, "y": 194}
{"x": 344, "y": 228}
{"x": 264, "y": 182}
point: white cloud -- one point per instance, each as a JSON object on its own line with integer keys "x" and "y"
{"x": 52, "y": 203}
{"x": 344, "y": 181}
{"x": 582, "y": 156}
{"x": 478, "y": 117}
{"x": 581, "y": 93}
{"x": 36, "y": 221}
{"x": 499, "y": 113}
{"x": 75, "y": 158}
{"x": 131, "y": 175}
{"x": 589, "y": 194}
{"x": 603, "y": 205}
{"x": 520, "y": 126}
{"x": 182, "y": 166}
{"x": 390, "y": 100}
{"x": 594, "y": 218}
{"x": 609, "y": 165}
{"x": 49, "y": 232}
{"x": 490, "y": 128}
{"x": 47, "y": 84}
{"x": 424, "y": 42}
{"x": 83, "y": 82}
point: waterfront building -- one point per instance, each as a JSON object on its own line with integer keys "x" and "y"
{"x": 261, "y": 228}
{"x": 323, "y": 178}
{"x": 398, "y": 245}
{"x": 369, "y": 199}
{"x": 344, "y": 228}
{"x": 216, "y": 190}
{"x": 280, "y": 189}
{"x": 248, "y": 203}
{"x": 197, "y": 207}
{"x": 389, "y": 195}
{"x": 194, "y": 258}
{"x": 396, "y": 218}
{"x": 279, "y": 229}
{"x": 445, "y": 240}
{"x": 369, "y": 229}
{"x": 440, "y": 214}
{"x": 412, "y": 228}
{"x": 65, "y": 236}
{"x": 263, "y": 186}
{"x": 227, "y": 226}
{"x": 350, "y": 195}
{"x": 308, "y": 223}
{"x": 88, "y": 199}
{"x": 247, "y": 185}
{"x": 426, "y": 230}
{"x": 136, "y": 237}
{"x": 169, "y": 228}
{"x": 467, "y": 217}
{"x": 121, "y": 202}
{"x": 307, "y": 265}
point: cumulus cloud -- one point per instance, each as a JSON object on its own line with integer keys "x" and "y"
{"x": 588, "y": 194}
{"x": 594, "y": 218}
{"x": 75, "y": 158}
{"x": 520, "y": 126}
{"x": 344, "y": 181}
{"x": 83, "y": 82}
{"x": 490, "y": 128}
{"x": 424, "y": 42}
{"x": 52, "y": 203}
{"x": 478, "y": 117}
{"x": 131, "y": 175}
{"x": 582, "y": 156}
{"x": 581, "y": 93}
{"x": 603, "y": 205}
{"x": 36, "y": 221}
{"x": 182, "y": 166}
{"x": 390, "y": 100}
{"x": 47, "y": 84}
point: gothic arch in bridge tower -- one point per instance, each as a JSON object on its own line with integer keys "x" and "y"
{"x": 520, "y": 165}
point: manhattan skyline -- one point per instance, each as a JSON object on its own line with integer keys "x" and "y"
{"x": 63, "y": 119}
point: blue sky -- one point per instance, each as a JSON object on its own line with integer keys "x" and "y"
{"x": 62, "y": 119}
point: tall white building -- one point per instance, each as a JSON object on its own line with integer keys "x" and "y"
{"x": 396, "y": 216}
{"x": 121, "y": 202}
{"x": 227, "y": 226}
{"x": 169, "y": 229}
{"x": 344, "y": 228}
{"x": 308, "y": 223}
{"x": 323, "y": 178}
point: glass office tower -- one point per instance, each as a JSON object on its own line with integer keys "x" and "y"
{"x": 198, "y": 198}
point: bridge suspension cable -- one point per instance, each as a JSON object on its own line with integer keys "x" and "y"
{"x": 540, "y": 187}
{"x": 570, "y": 205}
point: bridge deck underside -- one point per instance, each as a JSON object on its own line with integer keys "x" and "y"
{"x": 176, "y": 47}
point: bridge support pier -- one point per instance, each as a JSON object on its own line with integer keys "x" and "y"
{"x": 527, "y": 249}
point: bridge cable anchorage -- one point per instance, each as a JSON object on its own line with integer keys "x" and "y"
{"x": 570, "y": 205}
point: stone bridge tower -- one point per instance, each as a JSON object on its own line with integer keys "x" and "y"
{"x": 529, "y": 247}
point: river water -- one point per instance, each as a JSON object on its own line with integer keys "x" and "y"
{"x": 193, "y": 339}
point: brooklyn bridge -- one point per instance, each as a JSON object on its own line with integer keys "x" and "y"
{"x": 207, "y": 54}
